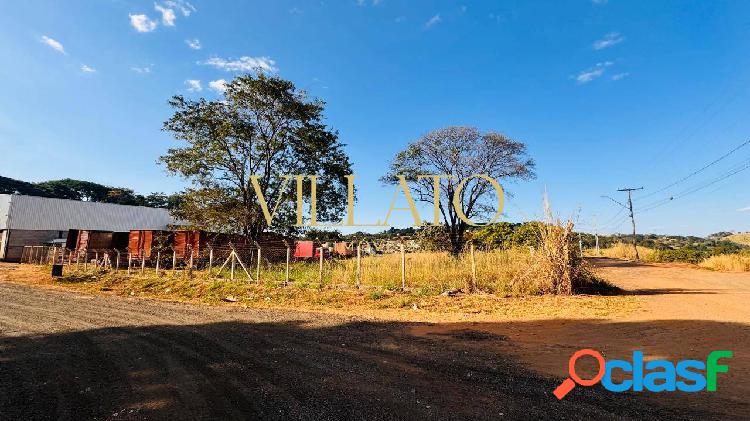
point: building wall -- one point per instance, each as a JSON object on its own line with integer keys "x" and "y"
{"x": 17, "y": 239}
{"x": 4, "y": 210}
{"x": 2, "y": 244}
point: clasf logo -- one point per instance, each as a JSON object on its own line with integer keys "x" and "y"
{"x": 654, "y": 375}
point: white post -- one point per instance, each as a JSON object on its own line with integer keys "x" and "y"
{"x": 158, "y": 258}
{"x": 257, "y": 268}
{"x": 234, "y": 256}
{"x": 210, "y": 260}
{"x": 130, "y": 261}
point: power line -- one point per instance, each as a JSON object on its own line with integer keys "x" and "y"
{"x": 705, "y": 167}
{"x": 734, "y": 171}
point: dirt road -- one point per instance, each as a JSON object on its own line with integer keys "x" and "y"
{"x": 71, "y": 356}
{"x": 686, "y": 313}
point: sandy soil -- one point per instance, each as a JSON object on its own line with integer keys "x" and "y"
{"x": 67, "y": 355}
{"x": 685, "y": 314}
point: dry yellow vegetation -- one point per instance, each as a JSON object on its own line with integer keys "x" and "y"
{"x": 743, "y": 238}
{"x": 371, "y": 301}
{"x": 625, "y": 251}
{"x": 727, "y": 263}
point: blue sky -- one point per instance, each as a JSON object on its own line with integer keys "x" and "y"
{"x": 606, "y": 94}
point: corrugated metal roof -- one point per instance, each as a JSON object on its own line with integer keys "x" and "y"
{"x": 41, "y": 213}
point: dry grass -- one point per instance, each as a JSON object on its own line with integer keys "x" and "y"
{"x": 727, "y": 263}
{"x": 374, "y": 302}
{"x": 743, "y": 238}
{"x": 625, "y": 251}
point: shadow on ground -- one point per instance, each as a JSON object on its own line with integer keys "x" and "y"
{"x": 290, "y": 370}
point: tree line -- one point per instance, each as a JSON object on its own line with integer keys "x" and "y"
{"x": 87, "y": 191}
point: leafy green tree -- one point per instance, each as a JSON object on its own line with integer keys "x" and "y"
{"x": 11, "y": 186}
{"x": 460, "y": 152}
{"x": 264, "y": 127}
{"x": 76, "y": 190}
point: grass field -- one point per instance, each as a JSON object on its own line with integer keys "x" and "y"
{"x": 743, "y": 238}
{"x": 375, "y": 300}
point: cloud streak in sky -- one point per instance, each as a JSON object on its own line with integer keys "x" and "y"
{"x": 54, "y": 44}
{"x": 243, "y": 64}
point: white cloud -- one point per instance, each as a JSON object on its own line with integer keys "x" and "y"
{"x": 142, "y": 23}
{"x": 432, "y": 21}
{"x": 592, "y": 73}
{"x": 609, "y": 40}
{"x": 194, "y": 85}
{"x": 195, "y": 44}
{"x": 295, "y": 11}
{"x": 142, "y": 70}
{"x": 183, "y": 6}
{"x": 167, "y": 15}
{"x": 243, "y": 64}
{"x": 219, "y": 85}
{"x": 598, "y": 2}
{"x": 744, "y": 209}
{"x": 54, "y": 44}
{"x": 87, "y": 69}
{"x": 620, "y": 76}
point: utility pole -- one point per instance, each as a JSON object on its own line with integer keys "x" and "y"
{"x": 629, "y": 207}
{"x": 596, "y": 235}
{"x": 632, "y": 217}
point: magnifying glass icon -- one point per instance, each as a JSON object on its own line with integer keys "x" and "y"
{"x": 568, "y": 384}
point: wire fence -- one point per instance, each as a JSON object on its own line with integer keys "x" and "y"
{"x": 360, "y": 264}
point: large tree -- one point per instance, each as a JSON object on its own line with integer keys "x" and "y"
{"x": 460, "y": 152}
{"x": 263, "y": 127}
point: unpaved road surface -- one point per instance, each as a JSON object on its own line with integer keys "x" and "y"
{"x": 686, "y": 313}
{"x": 72, "y": 356}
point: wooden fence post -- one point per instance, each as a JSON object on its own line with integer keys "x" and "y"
{"x": 286, "y": 278}
{"x": 320, "y": 271}
{"x": 473, "y": 285}
{"x": 210, "y": 260}
{"x": 257, "y": 268}
{"x": 143, "y": 264}
{"x": 158, "y": 258}
{"x": 359, "y": 264}
{"x": 130, "y": 261}
{"x": 174, "y": 261}
{"x": 86, "y": 260}
{"x": 403, "y": 268}
{"x": 233, "y": 256}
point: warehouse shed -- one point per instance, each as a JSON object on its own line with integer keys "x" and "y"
{"x": 32, "y": 221}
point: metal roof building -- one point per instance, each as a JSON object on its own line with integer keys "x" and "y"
{"x": 30, "y": 219}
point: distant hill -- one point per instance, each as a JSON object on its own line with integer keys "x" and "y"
{"x": 739, "y": 238}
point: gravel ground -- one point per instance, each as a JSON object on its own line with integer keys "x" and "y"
{"x": 71, "y": 356}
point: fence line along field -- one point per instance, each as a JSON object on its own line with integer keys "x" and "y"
{"x": 555, "y": 266}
